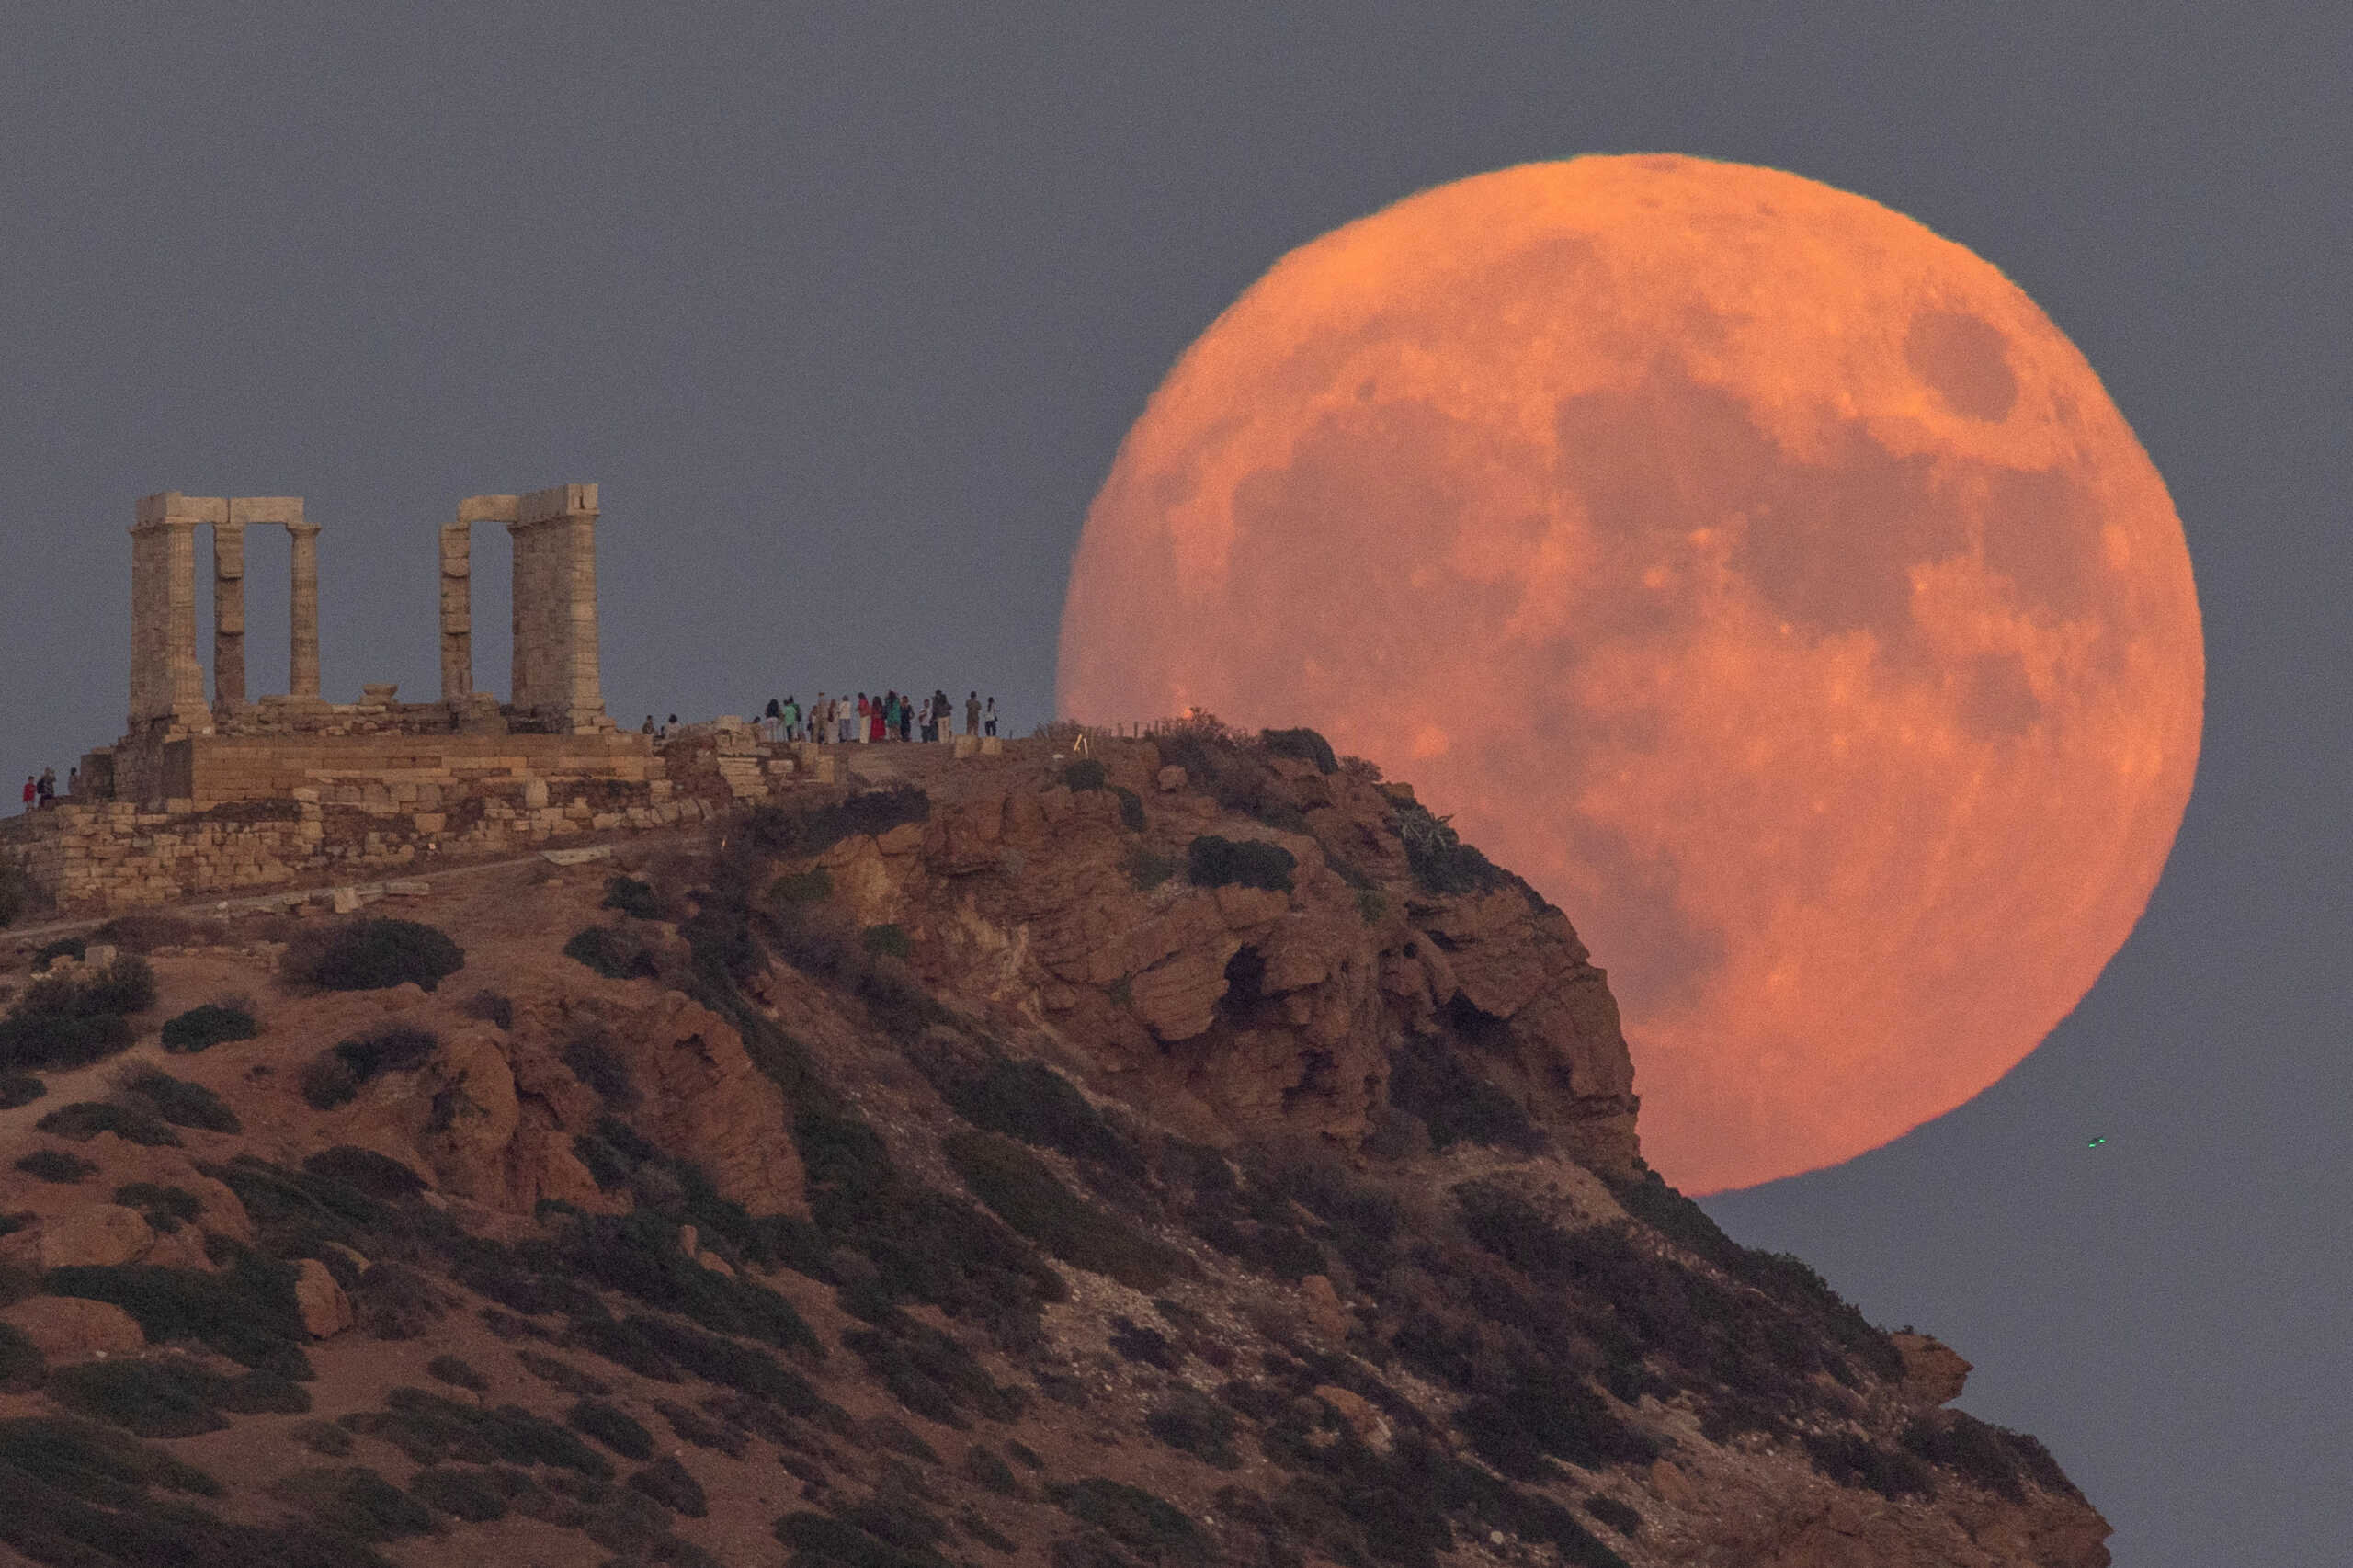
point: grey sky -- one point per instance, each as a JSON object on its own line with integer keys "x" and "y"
{"x": 847, "y": 313}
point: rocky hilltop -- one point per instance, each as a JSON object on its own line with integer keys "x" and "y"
{"x": 1181, "y": 1154}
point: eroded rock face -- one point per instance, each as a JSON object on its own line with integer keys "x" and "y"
{"x": 1247, "y": 1012}
{"x": 1934, "y": 1373}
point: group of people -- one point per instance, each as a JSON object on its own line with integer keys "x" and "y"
{"x": 841, "y": 719}
{"x": 41, "y": 789}
{"x": 890, "y": 717}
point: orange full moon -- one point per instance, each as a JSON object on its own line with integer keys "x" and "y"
{"x": 1762, "y": 575}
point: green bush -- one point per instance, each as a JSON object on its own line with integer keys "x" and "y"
{"x": 17, "y": 894}
{"x": 73, "y": 1020}
{"x": 1305, "y": 745}
{"x": 1433, "y": 1080}
{"x": 19, "y": 1088}
{"x": 930, "y": 1372}
{"x": 561, "y": 1374}
{"x": 333, "y": 1077}
{"x": 355, "y": 1500}
{"x": 1192, "y": 1423}
{"x": 1442, "y": 863}
{"x": 246, "y": 1311}
{"x": 209, "y": 1024}
{"x": 1372, "y": 905}
{"x": 668, "y": 1483}
{"x": 703, "y": 1431}
{"x": 73, "y": 948}
{"x": 1619, "y": 1517}
{"x": 85, "y": 1120}
{"x": 56, "y": 1166}
{"x": 986, "y": 1470}
{"x": 370, "y": 954}
{"x": 126, "y": 985}
{"x": 462, "y": 1493}
{"x": 1131, "y": 808}
{"x": 633, "y": 898}
{"x": 457, "y": 1372}
{"x": 612, "y": 1427}
{"x": 813, "y": 886}
{"x": 886, "y": 941}
{"x": 1016, "y": 1185}
{"x": 158, "y": 1398}
{"x": 1991, "y": 1457}
{"x": 328, "y": 1081}
{"x": 1155, "y": 1530}
{"x": 1084, "y": 773}
{"x": 166, "y": 1209}
{"x": 431, "y": 1429}
{"x": 1147, "y": 870}
{"x": 614, "y": 954}
{"x": 775, "y": 831}
{"x": 1031, "y": 1101}
{"x": 819, "y": 1541}
{"x": 59, "y": 1040}
{"x": 175, "y": 1100}
{"x": 593, "y": 1060}
{"x": 1214, "y": 863}
{"x": 489, "y": 1007}
{"x": 21, "y": 1365}
{"x": 639, "y": 1254}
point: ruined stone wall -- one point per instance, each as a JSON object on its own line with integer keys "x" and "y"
{"x": 109, "y": 855}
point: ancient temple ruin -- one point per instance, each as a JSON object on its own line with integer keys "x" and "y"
{"x": 243, "y": 793}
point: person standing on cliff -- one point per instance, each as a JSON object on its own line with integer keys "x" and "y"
{"x": 48, "y": 786}
{"x": 972, "y": 712}
{"x": 32, "y": 792}
{"x": 790, "y": 718}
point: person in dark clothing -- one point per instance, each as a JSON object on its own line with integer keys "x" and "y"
{"x": 972, "y": 712}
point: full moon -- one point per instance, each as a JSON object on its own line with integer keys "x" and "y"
{"x": 1759, "y": 574}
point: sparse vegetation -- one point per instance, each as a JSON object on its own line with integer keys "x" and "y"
{"x": 21, "y": 1366}
{"x": 134, "y": 1123}
{"x": 19, "y": 1088}
{"x": 56, "y": 1166}
{"x": 813, "y": 886}
{"x": 460, "y": 1491}
{"x": 370, "y": 954}
{"x": 489, "y": 1007}
{"x": 1214, "y": 863}
{"x": 616, "y": 955}
{"x": 775, "y": 831}
{"x": 1305, "y": 745}
{"x": 175, "y": 1100}
{"x": 457, "y": 1373}
{"x": 1147, "y": 870}
{"x": 594, "y": 1061}
{"x": 75, "y": 948}
{"x": 17, "y": 894}
{"x": 156, "y": 1397}
{"x": 72, "y": 1020}
{"x": 1016, "y": 1185}
{"x": 166, "y": 1207}
{"x": 1152, "y": 1527}
{"x": 1131, "y": 815}
{"x": 246, "y": 1311}
{"x": 1192, "y": 1423}
{"x": 355, "y": 1500}
{"x": 1084, "y": 773}
{"x": 886, "y": 941}
{"x": 612, "y": 1427}
{"x": 209, "y": 1024}
{"x": 668, "y": 1482}
{"x": 335, "y": 1077}
{"x": 634, "y": 898}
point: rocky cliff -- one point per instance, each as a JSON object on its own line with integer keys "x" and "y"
{"x": 1184, "y": 1153}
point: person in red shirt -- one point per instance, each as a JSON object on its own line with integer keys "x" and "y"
{"x": 28, "y": 791}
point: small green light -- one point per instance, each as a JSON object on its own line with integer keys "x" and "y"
{"x": 2095, "y": 1143}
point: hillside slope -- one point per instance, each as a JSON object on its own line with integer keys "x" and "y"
{"x": 1185, "y": 1155}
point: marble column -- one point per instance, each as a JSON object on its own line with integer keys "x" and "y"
{"x": 457, "y": 613}
{"x": 228, "y": 617}
{"x": 556, "y": 678}
{"x": 302, "y": 651}
{"x": 166, "y": 681}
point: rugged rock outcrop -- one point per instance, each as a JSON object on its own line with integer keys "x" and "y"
{"x": 1186, "y": 1153}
